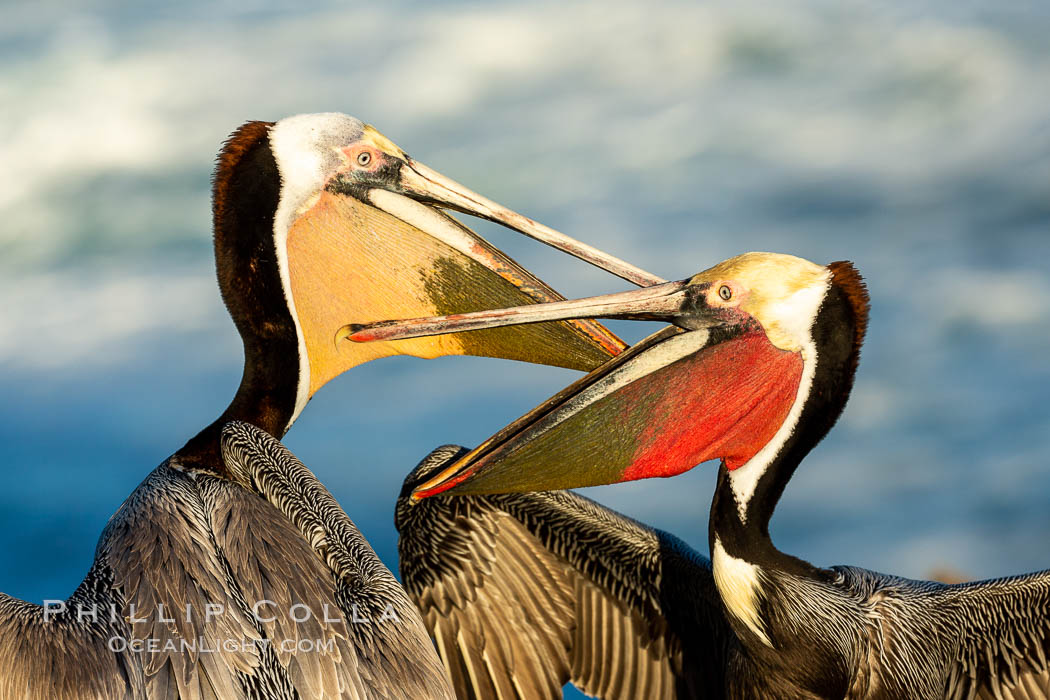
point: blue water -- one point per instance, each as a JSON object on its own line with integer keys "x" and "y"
{"x": 913, "y": 140}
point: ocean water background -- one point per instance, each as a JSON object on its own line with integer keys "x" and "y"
{"x": 911, "y": 138}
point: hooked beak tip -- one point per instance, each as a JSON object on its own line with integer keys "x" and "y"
{"x": 445, "y": 481}
{"x": 367, "y": 332}
{"x": 347, "y": 332}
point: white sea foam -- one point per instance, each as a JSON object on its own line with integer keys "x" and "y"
{"x": 633, "y": 91}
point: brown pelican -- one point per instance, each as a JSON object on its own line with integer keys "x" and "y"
{"x": 230, "y": 572}
{"x": 756, "y": 374}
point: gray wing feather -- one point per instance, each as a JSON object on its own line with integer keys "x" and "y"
{"x": 1004, "y": 626}
{"x": 156, "y": 550}
{"x": 526, "y": 592}
{"x": 188, "y": 541}
{"x": 60, "y": 658}
{"x": 167, "y": 571}
{"x": 388, "y": 657}
{"x": 986, "y": 639}
{"x": 276, "y": 569}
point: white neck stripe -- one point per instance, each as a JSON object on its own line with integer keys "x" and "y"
{"x": 283, "y": 147}
{"x": 801, "y": 314}
{"x": 307, "y": 149}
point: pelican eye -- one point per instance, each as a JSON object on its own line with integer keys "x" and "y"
{"x": 725, "y": 292}
{"x": 364, "y": 158}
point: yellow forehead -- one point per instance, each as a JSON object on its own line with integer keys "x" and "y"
{"x": 372, "y": 136}
{"x": 782, "y": 292}
{"x": 774, "y": 274}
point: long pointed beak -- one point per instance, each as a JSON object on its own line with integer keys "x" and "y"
{"x": 662, "y": 302}
{"x": 421, "y": 182}
{"x": 674, "y": 400}
{"x": 712, "y": 388}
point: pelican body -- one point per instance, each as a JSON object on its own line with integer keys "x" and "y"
{"x": 230, "y": 572}
{"x": 756, "y": 373}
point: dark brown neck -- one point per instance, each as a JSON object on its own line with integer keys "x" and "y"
{"x": 246, "y": 192}
{"x": 259, "y": 400}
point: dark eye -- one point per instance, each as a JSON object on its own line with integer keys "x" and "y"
{"x": 364, "y": 158}
{"x": 725, "y": 292}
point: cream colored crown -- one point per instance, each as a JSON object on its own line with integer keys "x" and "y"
{"x": 782, "y": 292}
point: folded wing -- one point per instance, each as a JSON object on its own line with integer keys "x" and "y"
{"x": 523, "y": 593}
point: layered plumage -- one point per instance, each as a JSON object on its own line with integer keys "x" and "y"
{"x": 285, "y": 571}
{"x": 526, "y": 592}
{"x": 758, "y": 622}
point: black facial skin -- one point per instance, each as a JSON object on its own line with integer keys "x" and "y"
{"x": 356, "y": 181}
{"x": 697, "y": 313}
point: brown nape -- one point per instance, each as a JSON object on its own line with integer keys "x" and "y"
{"x": 238, "y": 185}
{"x": 845, "y": 277}
{"x": 245, "y": 194}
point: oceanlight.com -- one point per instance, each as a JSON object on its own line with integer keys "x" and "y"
{"x": 203, "y": 646}
{"x": 263, "y": 611}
